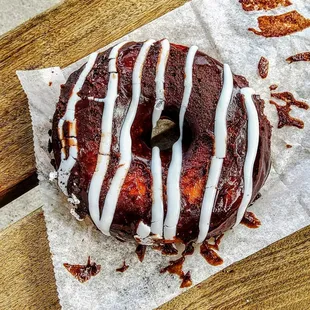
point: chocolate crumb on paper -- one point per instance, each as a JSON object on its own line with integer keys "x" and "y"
{"x": 123, "y": 268}
{"x": 263, "y": 67}
{"x": 210, "y": 255}
{"x": 140, "y": 251}
{"x": 299, "y": 57}
{"x": 281, "y": 25}
{"x": 176, "y": 267}
{"x": 283, "y": 111}
{"x": 250, "y": 220}
{"x": 187, "y": 280}
{"x": 256, "y": 5}
{"x": 273, "y": 87}
{"x": 83, "y": 272}
{"x": 288, "y": 146}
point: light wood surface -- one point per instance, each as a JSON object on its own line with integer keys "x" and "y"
{"x": 274, "y": 278}
{"x": 26, "y": 274}
{"x": 58, "y": 37}
{"x": 277, "y": 277}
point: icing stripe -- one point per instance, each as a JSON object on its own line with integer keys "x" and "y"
{"x": 157, "y": 188}
{"x": 160, "y": 79}
{"x": 174, "y": 171}
{"x": 220, "y": 132}
{"x": 106, "y": 136}
{"x": 67, "y": 164}
{"x": 156, "y": 168}
{"x": 125, "y": 144}
{"x": 252, "y": 147}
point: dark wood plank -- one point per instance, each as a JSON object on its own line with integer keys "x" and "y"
{"x": 58, "y": 37}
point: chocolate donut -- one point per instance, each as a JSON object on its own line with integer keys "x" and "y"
{"x": 111, "y": 169}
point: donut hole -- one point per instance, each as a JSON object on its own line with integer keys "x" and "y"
{"x": 167, "y": 132}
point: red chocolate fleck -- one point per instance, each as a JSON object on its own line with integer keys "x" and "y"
{"x": 187, "y": 280}
{"x": 281, "y": 25}
{"x": 283, "y": 111}
{"x": 256, "y": 5}
{"x": 288, "y": 146}
{"x": 83, "y": 272}
{"x": 175, "y": 267}
{"x": 263, "y": 67}
{"x": 299, "y": 57}
{"x": 123, "y": 268}
{"x": 140, "y": 251}
{"x": 50, "y": 83}
{"x": 250, "y": 220}
{"x": 217, "y": 241}
{"x": 210, "y": 255}
{"x": 273, "y": 87}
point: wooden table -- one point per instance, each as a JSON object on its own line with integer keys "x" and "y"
{"x": 276, "y": 277}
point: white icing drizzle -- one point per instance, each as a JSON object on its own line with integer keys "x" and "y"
{"x": 174, "y": 171}
{"x": 143, "y": 234}
{"x": 67, "y": 164}
{"x": 74, "y": 200}
{"x": 143, "y": 230}
{"x": 157, "y": 188}
{"x": 106, "y": 136}
{"x": 77, "y": 217}
{"x": 125, "y": 144}
{"x": 52, "y": 176}
{"x": 156, "y": 168}
{"x": 159, "y": 80}
{"x": 252, "y": 147}
{"x": 220, "y": 133}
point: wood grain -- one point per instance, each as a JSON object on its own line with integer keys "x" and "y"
{"x": 277, "y": 277}
{"x": 26, "y": 274}
{"x": 58, "y": 37}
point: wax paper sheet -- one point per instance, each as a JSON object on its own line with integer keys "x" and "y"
{"x": 219, "y": 28}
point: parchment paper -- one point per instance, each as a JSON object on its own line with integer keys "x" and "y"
{"x": 219, "y": 28}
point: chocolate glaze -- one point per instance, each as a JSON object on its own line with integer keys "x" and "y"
{"x": 49, "y": 146}
{"x": 83, "y": 272}
{"x": 123, "y": 268}
{"x": 53, "y": 163}
{"x": 256, "y": 5}
{"x": 281, "y": 25}
{"x": 263, "y": 67}
{"x": 169, "y": 249}
{"x": 283, "y": 111}
{"x": 250, "y": 220}
{"x": 135, "y": 200}
{"x": 299, "y": 57}
{"x": 189, "y": 249}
